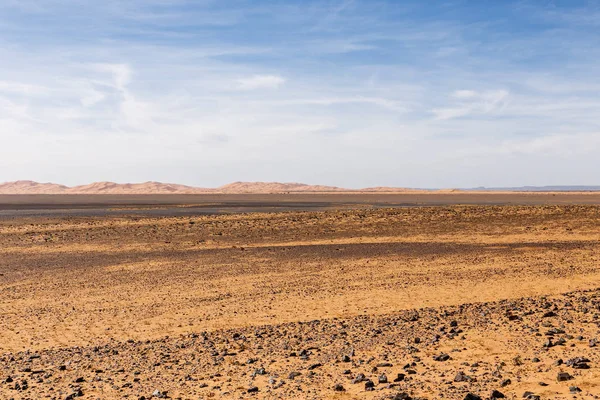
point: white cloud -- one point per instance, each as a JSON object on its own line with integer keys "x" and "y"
{"x": 260, "y": 82}
{"x": 121, "y": 73}
{"x": 472, "y": 103}
{"x": 464, "y": 94}
{"x": 92, "y": 97}
{"x": 19, "y": 88}
{"x": 329, "y": 101}
{"x": 557, "y": 144}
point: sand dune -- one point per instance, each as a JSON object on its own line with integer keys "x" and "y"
{"x": 31, "y": 187}
{"x": 127, "y": 188}
{"x": 275, "y": 187}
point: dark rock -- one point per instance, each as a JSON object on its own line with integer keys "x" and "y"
{"x": 400, "y": 378}
{"x": 339, "y": 388}
{"x": 384, "y": 365}
{"x": 78, "y": 393}
{"x": 578, "y": 363}
{"x": 359, "y": 378}
{"x": 505, "y": 382}
{"x": 294, "y": 374}
{"x": 563, "y": 376}
{"x": 462, "y": 377}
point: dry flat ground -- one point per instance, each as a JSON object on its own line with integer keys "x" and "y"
{"x": 446, "y": 302}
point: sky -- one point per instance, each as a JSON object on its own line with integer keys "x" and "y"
{"x": 349, "y": 93}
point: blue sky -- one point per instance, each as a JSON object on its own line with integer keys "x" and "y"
{"x": 347, "y": 92}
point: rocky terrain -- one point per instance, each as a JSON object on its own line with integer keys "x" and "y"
{"x": 456, "y": 302}
{"x": 543, "y": 347}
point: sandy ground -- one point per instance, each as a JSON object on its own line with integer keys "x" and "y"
{"x": 232, "y": 306}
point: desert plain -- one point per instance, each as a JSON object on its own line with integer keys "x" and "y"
{"x": 300, "y": 296}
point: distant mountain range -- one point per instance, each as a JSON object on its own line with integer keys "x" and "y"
{"x": 579, "y": 188}
{"x": 31, "y": 187}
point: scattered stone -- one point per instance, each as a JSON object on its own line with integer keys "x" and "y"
{"x": 563, "y": 376}
{"x": 159, "y": 394}
{"x": 462, "y": 377}
{"x": 384, "y": 365}
{"x": 442, "y": 357}
{"x": 359, "y": 378}
{"x": 578, "y": 363}
{"x": 339, "y": 388}
{"x": 400, "y": 377}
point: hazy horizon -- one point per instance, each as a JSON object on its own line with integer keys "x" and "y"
{"x": 354, "y": 94}
{"x": 508, "y": 188}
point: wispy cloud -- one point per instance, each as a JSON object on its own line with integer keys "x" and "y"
{"x": 260, "y": 82}
{"x": 471, "y": 103}
{"x": 21, "y": 88}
